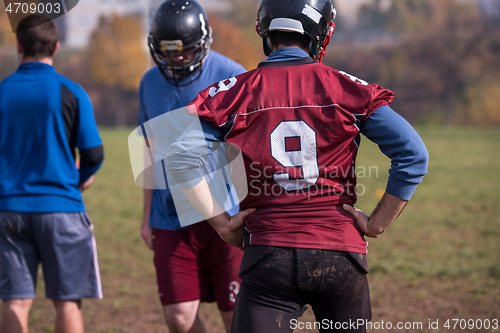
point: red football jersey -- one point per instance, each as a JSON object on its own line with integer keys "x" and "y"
{"x": 296, "y": 125}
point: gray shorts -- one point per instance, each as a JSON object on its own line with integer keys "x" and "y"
{"x": 63, "y": 243}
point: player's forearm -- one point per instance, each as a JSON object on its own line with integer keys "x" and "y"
{"x": 230, "y": 229}
{"x": 382, "y": 217}
{"x": 148, "y": 199}
{"x": 146, "y": 231}
{"x": 201, "y": 198}
{"x": 148, "y": 179}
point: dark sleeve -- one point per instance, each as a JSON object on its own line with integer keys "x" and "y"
{"x": 399, "y": 141}
{"x": 90, "y": 161}
{"x": 88, "y": 140}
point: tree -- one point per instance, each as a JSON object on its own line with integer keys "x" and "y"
{"x": 244, "y": 14}
{"x": 441, "y": 40}
{"x": 117, "y": 57}
{"x": 8, "y": 55}
{"x": 479, "y": 102}
{"x": 408, "y": 15}
{"x": 372, "y": 16}
{"x": 7, "y": 38}
{"x": 443, "y": 64}
{"x": 235, "y": 35}
{"x": 231, "y": 41}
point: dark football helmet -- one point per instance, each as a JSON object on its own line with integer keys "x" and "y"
{"x": 313, "y": 18}
{"x": 179, "y": 40}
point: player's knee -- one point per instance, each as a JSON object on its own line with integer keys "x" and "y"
{"x": 67, "y": 306}
{"x": 18, "y": 305}
{"x": 180, "y": 318}
{"x": 178, "y": 323}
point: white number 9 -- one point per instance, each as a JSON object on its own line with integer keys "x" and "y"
{"x": 305, "y": 158}
{"x": 222, "y": 86}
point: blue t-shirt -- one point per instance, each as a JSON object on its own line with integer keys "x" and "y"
{"x": 43, "y": 118}
{"x": 157, "y": 97}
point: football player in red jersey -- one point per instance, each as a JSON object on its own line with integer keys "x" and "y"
{"x": 297, "y": 123}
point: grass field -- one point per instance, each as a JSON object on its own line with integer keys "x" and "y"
{"x": 440, "y": 260}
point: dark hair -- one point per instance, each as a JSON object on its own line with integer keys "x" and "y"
{"x": 37, "y": 35}
{"x": 287, "y": 38}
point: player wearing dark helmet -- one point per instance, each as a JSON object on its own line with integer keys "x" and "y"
{"x": 311, "y": 19}
{"x": 192, "y": 264}
{"x": 179, "y": 46}
{"x": 297, "y": 123}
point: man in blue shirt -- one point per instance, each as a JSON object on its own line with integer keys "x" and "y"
{"x": 192, "y": 264}
{"x": 44, "y": 117}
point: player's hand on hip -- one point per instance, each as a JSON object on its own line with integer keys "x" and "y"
{"x": 235, "y": 226}
{"x": 360, "y": 217}
{"x": 147, "y": 234}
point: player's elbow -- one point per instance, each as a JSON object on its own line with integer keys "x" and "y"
{"x": 421, "y": 159}
{"x": 92, "y": 156}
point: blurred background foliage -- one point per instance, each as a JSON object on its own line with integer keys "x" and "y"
{"x": 117, "y": 61}
{"x": 7, "y": 38}
{"x": 441, "y": 58}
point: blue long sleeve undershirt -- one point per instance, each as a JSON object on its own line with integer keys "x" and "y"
{"x": 399, "y": 141}
{"x": 396, "y": 138}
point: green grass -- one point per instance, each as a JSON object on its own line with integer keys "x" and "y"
{"x": 440, "y": 259}
{"x": 450, "y": 227}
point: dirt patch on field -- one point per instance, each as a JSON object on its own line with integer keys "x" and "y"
{"x": 424, "y": 301}
{"x": 426, "y": 304}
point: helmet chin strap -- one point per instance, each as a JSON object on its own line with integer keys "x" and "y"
{"x": 329, "y": 32}
{"x": 266, "y": 41}
{"x": 312, "y": 52}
